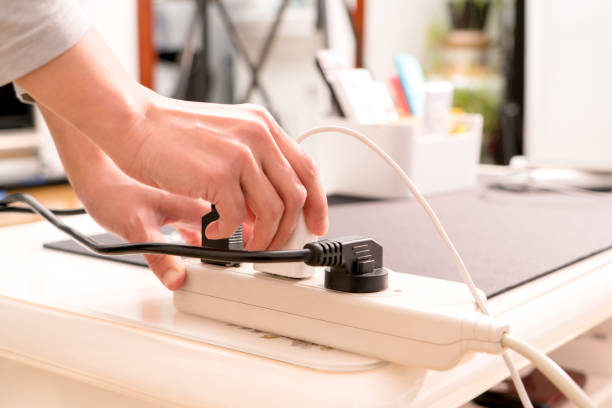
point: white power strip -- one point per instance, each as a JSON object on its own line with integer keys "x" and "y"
{"x": 418, "y": 321}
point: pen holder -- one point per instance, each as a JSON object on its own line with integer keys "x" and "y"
{"x": 436, "y": 163}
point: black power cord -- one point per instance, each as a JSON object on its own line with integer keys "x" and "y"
{"x": 298, "y": 255}
{"x": 355, "y": 263}
{"x": 61, "y": 213}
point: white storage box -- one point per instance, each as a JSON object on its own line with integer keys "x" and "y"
{"x": 436, "y": 163}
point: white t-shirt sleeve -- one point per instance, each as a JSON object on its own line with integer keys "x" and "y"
{"x": 33, "y": 32}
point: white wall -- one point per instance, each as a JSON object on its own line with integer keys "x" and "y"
{"x": 117, "y": 22}
{"x": 568, "y": 86}
{"x": 398, "y": 26}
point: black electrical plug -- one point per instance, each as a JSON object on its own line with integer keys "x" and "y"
{"x": 234, "y": 242}
{"x": 354, "y": 264}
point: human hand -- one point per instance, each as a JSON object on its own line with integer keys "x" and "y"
{"x": 235, "y": 156}
{"x": 123, "y": 206}
{"x": 136, "y": 213}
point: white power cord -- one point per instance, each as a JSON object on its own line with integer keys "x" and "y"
{"x": 550, "y": 369}
{"x": 508, "y": 341}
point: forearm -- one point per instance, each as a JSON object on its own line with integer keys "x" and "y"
{"x": 86, "y": 165}
{"x": 87, "y": 87}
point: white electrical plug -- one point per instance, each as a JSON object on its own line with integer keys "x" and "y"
{"x": 300, "y": 237}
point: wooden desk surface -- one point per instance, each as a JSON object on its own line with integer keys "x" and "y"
{"x": 57, "y": 196}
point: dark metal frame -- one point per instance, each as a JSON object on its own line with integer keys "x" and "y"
{"x": 255, "y": 66}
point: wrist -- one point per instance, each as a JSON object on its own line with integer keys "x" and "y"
{"x": 118, "y": 118}
{"x": 132, "y": 132}
{"x": 87, "y": 87}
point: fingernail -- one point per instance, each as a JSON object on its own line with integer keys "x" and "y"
{"x": 171, "y": 279}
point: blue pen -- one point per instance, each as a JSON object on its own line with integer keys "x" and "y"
{"x": 413, "y": 81}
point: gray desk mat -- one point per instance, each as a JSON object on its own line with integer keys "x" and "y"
{"x": 505, "y": 238}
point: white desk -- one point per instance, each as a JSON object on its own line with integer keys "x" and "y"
{"x": 77, "y": 331}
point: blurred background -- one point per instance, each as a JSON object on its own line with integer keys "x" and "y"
{"x": 536, "y": 71}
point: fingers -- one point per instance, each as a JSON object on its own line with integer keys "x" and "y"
{"x": 169, "y": 269}
{"x": 247, "y": 197}
{"x": 291, "y": 191}
{"x": 230, "y": 204}
{"x": 315, "y": 205}
{"x": 190, "y": 237}
{"x": 247, "y": 231}
{"x": 244, "y": 191}
{"x": 265, "y": 204}
{"x": 278, "y": 181}
{"x": 183, "y": 212}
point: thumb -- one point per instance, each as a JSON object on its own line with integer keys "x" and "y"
{"x": 168, "y": 269}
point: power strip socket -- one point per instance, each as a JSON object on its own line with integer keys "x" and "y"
{"x": 418, "y": 321}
